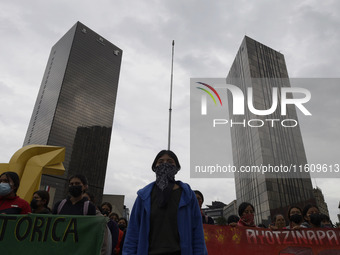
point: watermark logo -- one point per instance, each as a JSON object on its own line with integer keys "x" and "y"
{"x": 256, "y": 125}
{"x": 204, "y": 98}
{"x": 239, "y": 99}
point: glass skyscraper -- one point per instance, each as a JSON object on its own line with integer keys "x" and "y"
{"x": 75, "y": 106}
{"x": 261, "y": 68}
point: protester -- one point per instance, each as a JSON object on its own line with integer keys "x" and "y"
{"x": 205, "y": 219}
{"x": 326, "y": 221}
{"x": 120, "y": 243}
{"x": 246, "y": 212}
{"x": 295, "y": 218}
{"x": 121, "y": 234}
{"x": 76, "y": 203}
{"x": 278, "y": 223}
{"x": 232, "y": 220}
{"x": 106, "y": 208}
{"x": 114, "y": 216}
{"x": 165, "y": 218}
{"x": 122, "y": 225}
{"x": 312, "y": 217}
{"x": 111, "y": 230}
{"x": 39, "y": 203}
{"x": 10, "y": 203}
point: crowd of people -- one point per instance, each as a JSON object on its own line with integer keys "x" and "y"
{"x": 78, "y": 202}
{"x": 166, "y": 218}
{"x": 309, "y": 217}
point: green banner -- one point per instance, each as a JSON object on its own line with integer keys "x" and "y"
{"x": 51, "y": 234}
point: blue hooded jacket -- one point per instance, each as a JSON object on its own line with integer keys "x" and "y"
{"x": 189, "y": 222}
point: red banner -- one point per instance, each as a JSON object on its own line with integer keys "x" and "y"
{"x": 256, "y": 241}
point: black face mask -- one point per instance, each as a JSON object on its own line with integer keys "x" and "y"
{"x": 315, "y": 219}
{"x": 296, "y": 218}
{"x": 121, "y": 227}
{"x": 105, "y": 212}
{"x": 34, "y": 204}
{"x": 75, "y": 191}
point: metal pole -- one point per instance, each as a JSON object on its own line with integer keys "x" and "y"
{"x": 170, "y": 107}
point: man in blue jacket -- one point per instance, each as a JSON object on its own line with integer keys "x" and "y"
{"x": 165, "y": 218}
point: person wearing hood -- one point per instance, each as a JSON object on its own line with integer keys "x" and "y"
{"x": 165, "y": 218}
{"x": 246, "y": 212}
{"x": 10, "y": 203}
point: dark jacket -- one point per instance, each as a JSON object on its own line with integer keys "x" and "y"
{"x": 74, "y": 209}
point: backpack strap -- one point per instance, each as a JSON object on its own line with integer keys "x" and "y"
{"x": 86, "y": 207}
{"x": 60, "y": 206}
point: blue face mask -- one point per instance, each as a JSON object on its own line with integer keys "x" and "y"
{"x": 5, "y": 189}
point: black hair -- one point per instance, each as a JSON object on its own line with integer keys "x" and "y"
{"x": 171, "y": 155}
{"x": 108, "y": 205}
{"x": 307, "y": 207}
{"x": 197, "y": 192}
{"x": 124, "y": 219}
{"x": 242, "y": 207}
{"x": 325, "y": 217}
{"x": 81, "y": 177}
{"x": 233, "y": 218}
{"x": 14, "y": 177}
{"x": 44, "y": 196}
{"x": 114, "y": 214}
{"x": 290, "y": 208}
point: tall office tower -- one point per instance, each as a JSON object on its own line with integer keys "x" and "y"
{"x": 75, "y": 106}
{"x": 261, "y": 68}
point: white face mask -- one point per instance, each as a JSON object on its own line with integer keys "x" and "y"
{"x": 5, "y": 189}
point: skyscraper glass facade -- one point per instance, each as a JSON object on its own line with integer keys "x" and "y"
{"x": 261, "y": 68}
{"x": 75, "y": 106}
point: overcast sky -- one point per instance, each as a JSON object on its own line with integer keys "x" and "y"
{"x": 207, "y": 36}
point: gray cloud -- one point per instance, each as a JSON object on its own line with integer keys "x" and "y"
{"x": 207, "y": 36}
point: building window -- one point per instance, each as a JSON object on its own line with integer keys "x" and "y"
{"x": 100, "y": 40}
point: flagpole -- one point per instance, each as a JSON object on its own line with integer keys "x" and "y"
{"x": 170, "y": 107}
